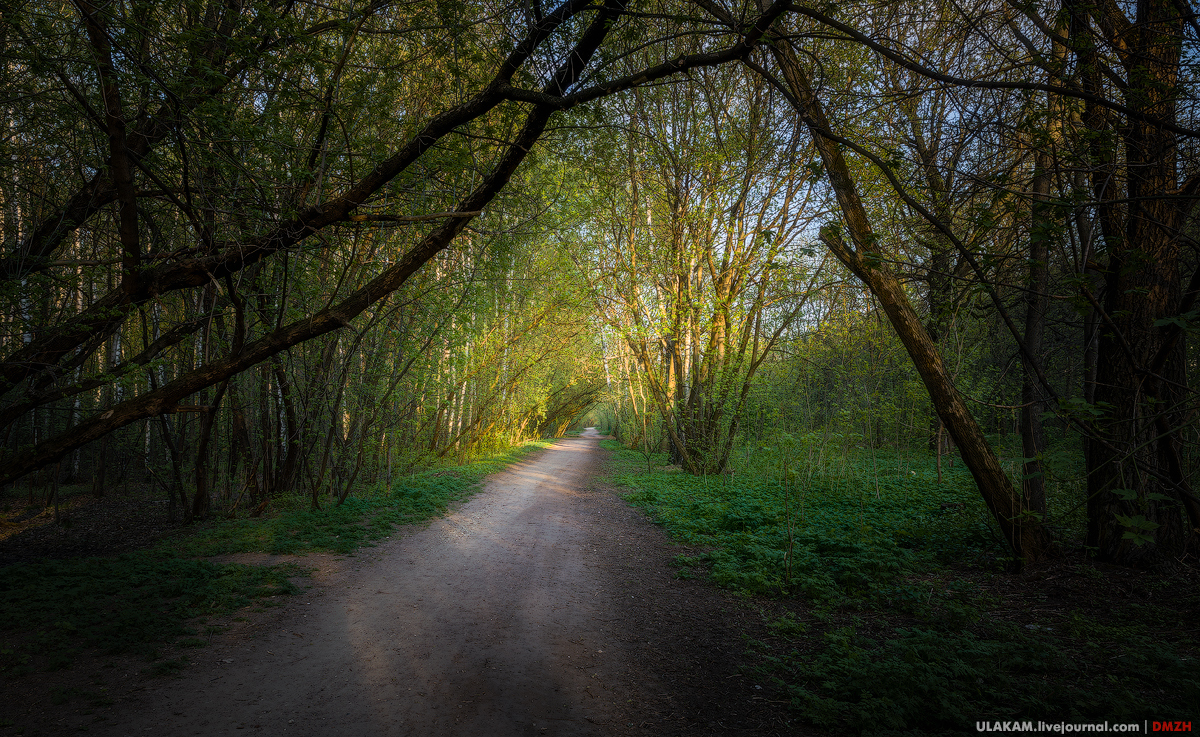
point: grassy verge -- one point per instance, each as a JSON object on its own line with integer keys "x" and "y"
{"x": 293, "y": 527}
{"x": 137, "y": 602}
{"x": 889, "y": 611}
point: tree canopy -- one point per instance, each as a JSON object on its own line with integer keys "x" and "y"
{"x": 273, "y": 246}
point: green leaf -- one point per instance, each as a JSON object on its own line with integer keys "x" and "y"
{"x": 1137, "y": 522}
{"x": 1186, "y": 321}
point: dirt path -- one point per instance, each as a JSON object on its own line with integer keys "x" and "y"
{"x": 543, "y": 606}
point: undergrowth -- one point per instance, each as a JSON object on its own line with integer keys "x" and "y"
{"x": 899, "y": 633}
{"x": 830, "y": 535}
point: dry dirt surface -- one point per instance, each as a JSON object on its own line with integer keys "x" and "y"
{"x": 543, "y": 606}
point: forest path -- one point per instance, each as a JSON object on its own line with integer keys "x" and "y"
{"x": 544, "y": 605}
{"x": 488, "y": 622}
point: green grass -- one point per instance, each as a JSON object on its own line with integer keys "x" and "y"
{"x": 130, "y": 603}
{"x": 295, "y": 528}
{"x": 136, "y": 602}
{"x": 887, "y": 570}
{"x": 831, "y": 535}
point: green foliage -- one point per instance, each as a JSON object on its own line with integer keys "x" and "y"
{"x": 920, "y": 678}
{"x": 851, "y": 535}
{"x": 935, "y": 681}
{"x": 869, "y": 535}
{"x": 787, "y": 626}
{"x": 1137, "y": 528}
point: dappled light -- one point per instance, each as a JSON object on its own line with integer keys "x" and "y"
{"x": 345, "y": 346}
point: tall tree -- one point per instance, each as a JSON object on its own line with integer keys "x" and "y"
{"x": 209, "y": 85}
{"x": 700, "y": 262}
{"x": 1127, "y": 78}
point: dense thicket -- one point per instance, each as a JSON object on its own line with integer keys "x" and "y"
{"x": 199, "y": 199}
{"x": 695, "y": 253}
{"x": 1016, "y": 186}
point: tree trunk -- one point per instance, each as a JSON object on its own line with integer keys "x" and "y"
{"x": 200, "y": 499}
{"x": 1029, "y": 540}
{"x": 1033, "y": 436}
{"x": 1136, "y": 482}
{"x": 287, "y": 473}
{"x": 99, "y": 468}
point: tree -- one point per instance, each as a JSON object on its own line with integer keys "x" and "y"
{"x": 1029, "y": 540}
{"x": 1115, "y": 86}
{"x": 208, "y": 86}
{"x": 700, "y": 263}
{"x": 1144, "y": 203}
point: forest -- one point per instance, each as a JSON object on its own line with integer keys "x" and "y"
{"x": 885, "y": 306}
